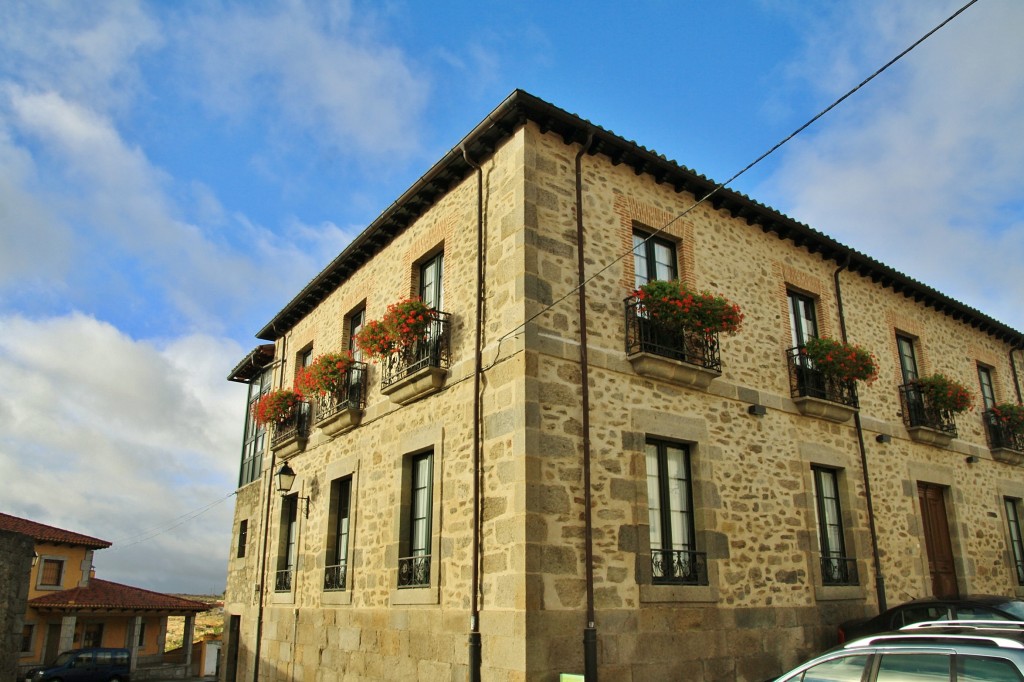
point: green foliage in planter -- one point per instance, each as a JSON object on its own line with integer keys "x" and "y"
{"x": 674, "y": 305}
{"x": 276, "y": 406}
{"x": 405, "y": 324}
{"x": 942, "y": 393}
{"x": 327, "y": 374}
{"x": 844, "y": 361}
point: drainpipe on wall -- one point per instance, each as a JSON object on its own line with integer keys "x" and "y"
{"x": 257, "y": 647}
{"x": 590, "y": 632}
{"x": 475, "y": 645}
{"x": 879, "y": 579}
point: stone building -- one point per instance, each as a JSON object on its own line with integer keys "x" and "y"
{"x": 65, "y": 606}
{"x": 544, "y": 487}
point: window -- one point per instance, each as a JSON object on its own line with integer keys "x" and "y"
{"x": 92, "y": 636}
{"x": 431, "y": 282}
{"x": 908, "y": 358}
{"x": 255, "y": 435}
{"x": 836, "y": 567}
{"x": 289, "y": 536}
{"x": 243, "y": 536}
{"x": 988, "y": 394}
{"x": 355, "y": 324}
{"x": 900, "y": 667}
{"x": 674, "y": 558}
{"x": 842, "y": 669}
{"x": 653, "y": 258}
{"x": 1016, "y": 541}
{"x": 985, "y": 669}
{"x": 336, "y": 572}
{"x": 28, "y": 632}
{"x": 51, "y": 573}
{"x": 802, "y": 320}
{"x": 414, "y": 566}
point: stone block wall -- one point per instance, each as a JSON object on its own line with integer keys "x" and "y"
{"x": 16, "y": 551}
{"x": 765, "y": 606}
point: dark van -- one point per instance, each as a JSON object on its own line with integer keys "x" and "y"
{"x": 85, "y": 665}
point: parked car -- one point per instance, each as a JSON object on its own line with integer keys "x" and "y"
{"x": 973, "y": 651}
{"x": 85, "y": 665}
{"x": 979, "y": 607}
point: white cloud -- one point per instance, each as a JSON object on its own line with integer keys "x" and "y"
{"x": 87, "y": 51}
{"x": 920, "y": 168}
{"x": 317, "y": 71}
{"x": 114, "y": 437}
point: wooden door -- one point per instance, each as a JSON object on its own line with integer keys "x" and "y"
{"x": 937, "y": 542}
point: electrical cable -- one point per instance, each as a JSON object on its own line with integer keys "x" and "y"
{"x": 168, "y": 526}
{"x": 516, "y": 330}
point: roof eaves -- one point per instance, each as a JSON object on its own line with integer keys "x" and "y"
{"x": 521, "y": 106}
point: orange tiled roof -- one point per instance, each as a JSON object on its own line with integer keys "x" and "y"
{"x": 105, "y": 595}
{"x": 43, "y": 533}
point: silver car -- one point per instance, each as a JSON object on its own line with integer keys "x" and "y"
{"x": 960, "y": 651}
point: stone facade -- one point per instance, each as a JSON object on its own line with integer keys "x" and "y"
{"x": 16, "y": 552}
{"x": 765, "y": 605}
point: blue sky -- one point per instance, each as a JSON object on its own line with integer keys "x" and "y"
{"x": 172, "y": 173}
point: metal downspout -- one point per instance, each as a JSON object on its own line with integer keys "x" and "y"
{"x": 257, "y": 647}
{"x": 879, "y": 579}
{"x": 475, "y": 645}
{"x": 590, "y": 632}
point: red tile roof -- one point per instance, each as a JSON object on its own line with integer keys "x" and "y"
{"x": 43, "y": 533}
{"x": 107, "y": 596}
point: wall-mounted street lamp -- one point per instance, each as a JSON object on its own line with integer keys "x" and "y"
{"x": 285, "y": 480}
{"x": 883, "y": 438}
{"x": 757, "y": 410}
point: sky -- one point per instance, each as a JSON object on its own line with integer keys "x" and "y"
{"x": 171, "y": 174}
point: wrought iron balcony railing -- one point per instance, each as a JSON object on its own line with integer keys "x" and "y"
{"x": 646, "y": 335}
{"x": 1000, "y": 435}
{"x": 414, "y": 571}
{"x": 838, "y": 570}
{"x": 918, "y": 412}
{"x": 679, "y": 567}
{"x": 352, "y": 396}
{"x": 432, "y": 351}
{"x": 807, "y": 381}
{"x": 335, "y": 577}
{"x": 283, "y": 580}
{"x": 296, "y": 426}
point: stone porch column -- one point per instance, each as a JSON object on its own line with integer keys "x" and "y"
{"x": 67, "y": 633}
{"x": 186, "y": 642}
{"x": 134, "y": 625}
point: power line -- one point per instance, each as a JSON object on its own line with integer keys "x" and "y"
{"x": 168, "y": 526}
{"x": 722, "y": 185}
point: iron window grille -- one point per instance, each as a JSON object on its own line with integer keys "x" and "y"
{"x": 283, "y": 580}
{"x": 432, "y": 351}
{"x": 414, "y": 571}
{"x": 838, "y": 570}
{"x": 807, "y": 381}
{"x": 1000, "y": 435}
{"x": 335, "y": 577}
{"x": 679, "y": 567}
{"x": 917, "y": 411}
{"x": 296, "y": 426}
{"x": 352, "y": 395}
{"x": 646, "y": 335}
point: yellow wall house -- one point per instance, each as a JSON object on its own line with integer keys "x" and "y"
{"x": 69, "y": 608}
{"x": 539, "y": 478}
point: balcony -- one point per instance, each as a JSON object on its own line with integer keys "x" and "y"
{"x": 683, "y": 357}
{"x": 290, "y": 435}
{"x": 335, "y": 577}
{"x": 420, "y": 368}
{"x": 283, "y": 580}
{"x": 679, "y": 567}
{"x": 838, "y": 570}
{"x": 1006, "y": 444}
{"x": 817, "y": 394}
{"x": 924, "y": 422}
{"x": 339, "y": 412}
{"x": 414, "y": 571}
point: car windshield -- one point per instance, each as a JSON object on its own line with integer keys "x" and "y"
{"x": 1014, "y": 607}
{"x": 64, "y": 658}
